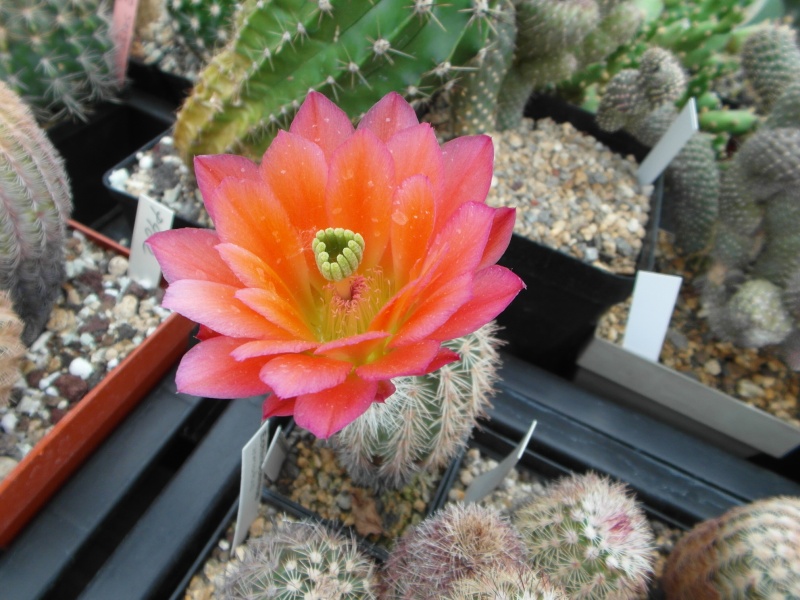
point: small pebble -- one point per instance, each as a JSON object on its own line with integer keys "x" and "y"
{"x": 80, "y": 367}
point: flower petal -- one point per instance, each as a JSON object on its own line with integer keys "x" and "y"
{"x": 215, "y": 306}
{"x": 277, "y": 407}
{"x": 294, "y": 374}
{"x": 296, "y": 171}
{"x": 445, "y": 356}
{"x": 390, "y": 115}
{"x": 468, "y": 165}
{"x": 416, "y": 151}
{"x": 410, "y": 359}
{"x": 411, "y": 226}
{"x": 190, "y": 254}
{"x": 210, "y": 170}
{"x": 209, "y": 370}
{"x": 359, "y": 194}
{"x": 277, "y": 310}
{"x": 493, "y": 289}
{"x": 320, "y": 121}
{"x": 271, "y": 348}
{"x": 355, "y": 348}
{"x": 499, "y": 237}
{"x": 324, "y": 413}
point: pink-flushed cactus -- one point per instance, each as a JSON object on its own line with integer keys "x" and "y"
{"x": 345, "y": 259}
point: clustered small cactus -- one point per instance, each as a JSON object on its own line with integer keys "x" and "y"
{"x": 302, "y": 561}
{"x": 354, "y": 52}
{"x": 590, "y": 537}
{"x": 11, "y": 347}
{"x": 428, "y": 418}
{"x": 58, "y": 54}
{"x": 521, "y": 583}
{"x": 35, "y": 203}
{"x": 641, "y": 102}
{"x": 751, "y": 551}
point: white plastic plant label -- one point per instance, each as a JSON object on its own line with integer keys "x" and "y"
{"x": 667, "y": 148}
{"x": 253, "y": 455}
{"x": 485, "y": 483}
{"x": 151, "y": 217}
{"x": 653, "y": 301}
{"x": 276, "y": 455}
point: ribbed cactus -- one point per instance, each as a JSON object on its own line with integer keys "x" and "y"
{"x": 11, "y": 348}
{"x": 299, "y": 561}
{"x": 458, "y": 542}
{"x": 751, "y": 551}
{"x": 58, "y": 54}
{"x": 425, "y": 422}
{"x": 770, "y": 62}
{"x": 354, "y": 52}
{"x": 35, "y": 203}
{"x": 202, "y": 25}
{"x": 590, "y": 536}
{"x": 507, "y": 584}
{"x": 641, "y": 101}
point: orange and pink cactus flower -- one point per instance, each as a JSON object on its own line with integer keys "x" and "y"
{"x": 343, "y": 260}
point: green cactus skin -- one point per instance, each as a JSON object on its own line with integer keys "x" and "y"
{"x": 735, "y": 122}
{"x": 589, "y": 536}
{"x": 11, "y": 347}
{"x": 737, "y": 240}
{"x": 35, "y": 203}
{"x": 298, "y": 561}
{"x": 770, "y": 61}
{"x": 58, "y": 55}
{"x": 770, "y": 161}
{"x": 203, "y": 25}
{"x": 457, "y": 542}
{"x": 750, "y": 552}
{"x": 425, "y": 422}
{"x": 354, "y": 52}
{"x": 500, "y": 584}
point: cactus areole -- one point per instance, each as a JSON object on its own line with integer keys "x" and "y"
{"x": 344, "y": 260}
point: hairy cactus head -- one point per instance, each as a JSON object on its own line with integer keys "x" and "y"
{"x": 770, "y": 62}
{"x": 425, "y": 422}
{"x": 507, "y": 584}
{"x": 457, "y": 542}
{"x": 298, "y": 561}
{"x": 11, "y": 347}
{"x": 58, "y": 54}
{"x": 751, "y": 551}
{"x": 35, "y": 203}
{"x": 661, "y": 77}
{"x": 589, "y": 536}
{"x": 754, "y": 316}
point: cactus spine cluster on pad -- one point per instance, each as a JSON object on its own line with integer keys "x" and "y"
{"x": 11, "y": 347}
{"x": 354, "y": 52}
{"x": 35, "y": 203}
{"x": 751, "y": 551}
{"x": 202, "y": 25}
{"x": 458, "y": 542}
{"x": 58, "y": 54}
{"x": 589, "y": 536}
{"x": 507, "y": 584}
{"x": 298, "y": 561}
{"x": 640, "y": 101}
{"x": 428, "y": 418}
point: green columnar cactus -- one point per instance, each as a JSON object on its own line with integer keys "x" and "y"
{"x": 425, "y": 422}
{"x": 502, "y": 584}
{"x": 641, "y": 101}
{"x": 751, "y": 551}
{"x": 458, "y": 542}
{"x": 11, "y": 347}
{"x": 35, "y": 203}
{"x": 771, "y": 61}
{"x": 58, "y": 54}
{"x": 589, "y": 536}
{"x": 298, "y": 561}
{"x": 202, "y": 25}
{"x": 355, "y": 52}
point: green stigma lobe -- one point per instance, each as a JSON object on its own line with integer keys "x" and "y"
{"x": 338, "y": 252}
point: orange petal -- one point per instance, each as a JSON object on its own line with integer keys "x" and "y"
{"x": 190, "y": 254}
{"x": 354, "y": 349}
{"x": 210, "y": 170}
{"x": 359, "y": 194}
{"x": 411, "y": 226}
{"x": 277, "y": 407}
{"x": 410, "y": 359}
{"x": 271, "y": 348}
{"x": 209, "y": 370}
{"x": 468, "y": 163}
{"x": 325, "y": 413}
{"x": 320, "y": 121}
{"x": 276, "y": 310}
{"x": 390, "y": 115}
{"x": 291, "y": 375}
{"x": 499, "y": 236}
{"x": 416, "y": 152}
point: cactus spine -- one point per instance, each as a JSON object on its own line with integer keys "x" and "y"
{"x": 589, "y": 536}
{"x": 298, "y": 561}
{"x": 11, "y": 348}
{"x": 771, "y": 61}
{"x": 500, "y": 584}
{"x": 458, "y": 542}
{"x": 423, "y": 424}
{"x": 751, "y": 551}
{"x": 35, "y": 203}
{"x": 355, "y": 52}
{"x": 58, "y": 54}
{"x": 202, "y": 25}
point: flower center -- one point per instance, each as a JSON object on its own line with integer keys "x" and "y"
{"x": 338, "y": 252}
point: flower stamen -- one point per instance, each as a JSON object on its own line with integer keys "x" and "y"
{"x": 338, "y": 252}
